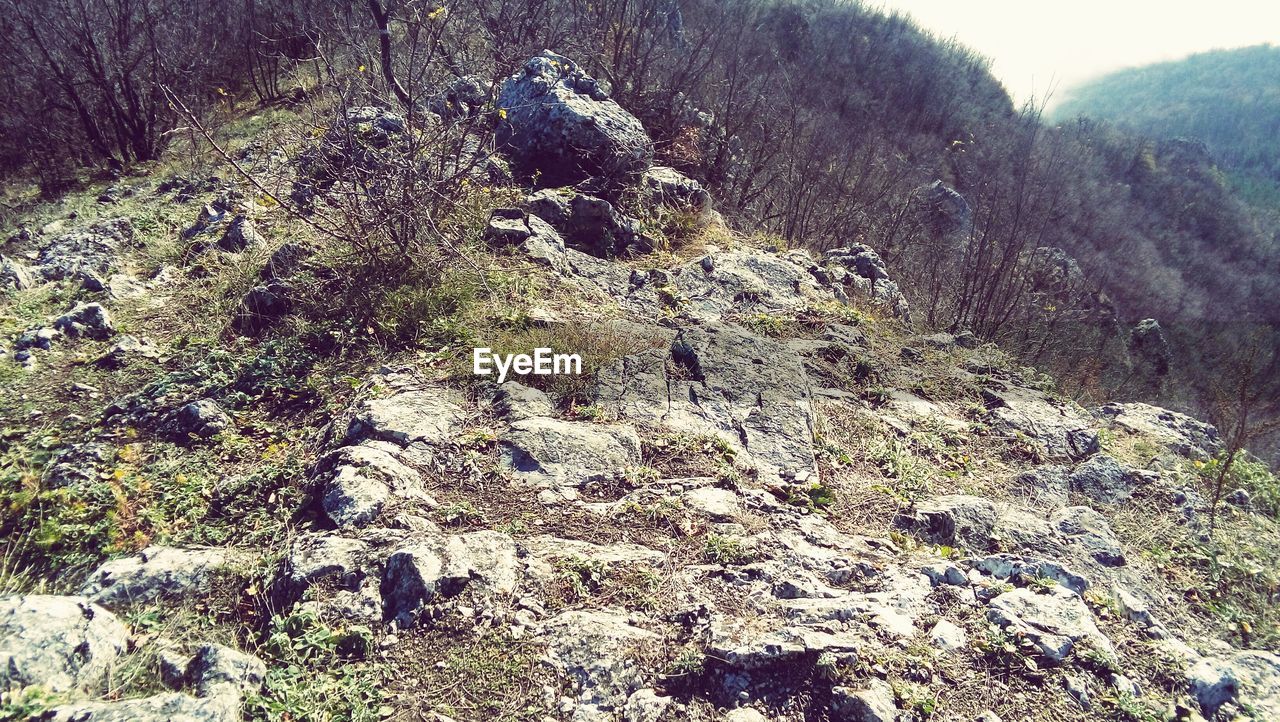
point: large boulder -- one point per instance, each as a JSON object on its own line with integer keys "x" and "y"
{"x": 59, "y": 643}
{"x": 559, "y": 123}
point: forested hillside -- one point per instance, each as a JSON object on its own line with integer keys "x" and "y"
{"x": 844, "y": 421}
{"x": 1229, "y": 99}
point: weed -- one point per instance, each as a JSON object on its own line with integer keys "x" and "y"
{"x": 724, "y": 549}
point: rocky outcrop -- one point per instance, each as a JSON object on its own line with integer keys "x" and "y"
{"x": 559, "y": 123}
{"x": 1183, "y": 435}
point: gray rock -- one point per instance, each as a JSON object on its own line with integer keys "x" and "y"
{"x": 597, "y": 651}
{"x": 1060, "y": 429}
{"x": 1252, "y": 677}
{"x": 515, "y": 402}
{"x": 745, "y": 714}
{"x": 565, "y": 453}
{"x": 1086, "y": 528}
{"x": 321, "y": 557}
{"x": 945, "y": 573}
{"x": 645, "y": 705}
{"x": 172, "y": 707}
{"x": 1181, "y": 433}
{"x": 947, "y": 636}
{"x": 955, "y": 520}
{"x": 589, "y": 224}
{"x": 261, "y": 307}
{"x": 1103, "y": 479}
{"x": 1239, "y": 498}
{"x": 988, "y": 716}
{"x": 670, "y": 188}
{"x": 217, "y": 670}
{"x": 876, "y": 703}
{"x": 720, "y": 380}
{"x": 203, "y": 418}
{"x": 1149, "y": 347}
{"x": 1055, "y": 622}
{"x": 512, "y": 227}
{"x": 286, "y": 261}
{"x": 41, "y": 338}
{"x": 93, "y": 249}
{"x": 868, "y": 276}
{"x": 77, "y": 464}
{"x": 944, "y": 212}
{"x": 356, "y": 482}
{"x": 939, "y": 341}
{"x": 1078, "y": 687}
{"x": 59, "y": 643}
{"x": 14, "y": 275}
{"x": 1023, "y": 570}
{"x": 88, "y": 320}
{"x": 437, "y": 567}
{"x": 240, "y": 235}
{"x": 561, "y": 124}
{"x": 155, "y": 573}
{"x": 1047, "y": 485}
{"x": 126, "y": 350}
{"x": 410, "y": 417}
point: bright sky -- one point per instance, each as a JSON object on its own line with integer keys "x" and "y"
{"x": 1041, "y": 45}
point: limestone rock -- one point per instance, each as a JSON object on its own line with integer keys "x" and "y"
{"x": 155, "y": 573}
{"x": 172, "y": 707}
{"x": 873, "y": 704}
{"x": 1056, "y": 622}
{"x": 1082, "y": 526}
{"x": 418, "y": 416}
{"x": 565, "y": 453}
{"x": 59, "y": 643}
{"x": 955, "y": 520}
{"x": 203, "y": 418}
{"x": 436, "y": 567}
{"x": 88, "y": 320}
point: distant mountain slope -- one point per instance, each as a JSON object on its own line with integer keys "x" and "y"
{"x": 1230, "y": 99}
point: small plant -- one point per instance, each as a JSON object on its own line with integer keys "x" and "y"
{"x": 459, "y": 513}
{"x": 689, "y": 662}
{"x": 583, "y": 577}
{"x": 729, "y": 550}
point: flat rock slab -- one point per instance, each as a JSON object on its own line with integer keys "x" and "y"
{"x": 718, "y": 379}
{"x": 551, "y": 452}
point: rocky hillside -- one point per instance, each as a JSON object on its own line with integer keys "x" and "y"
{"x": 769, "y": 496}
